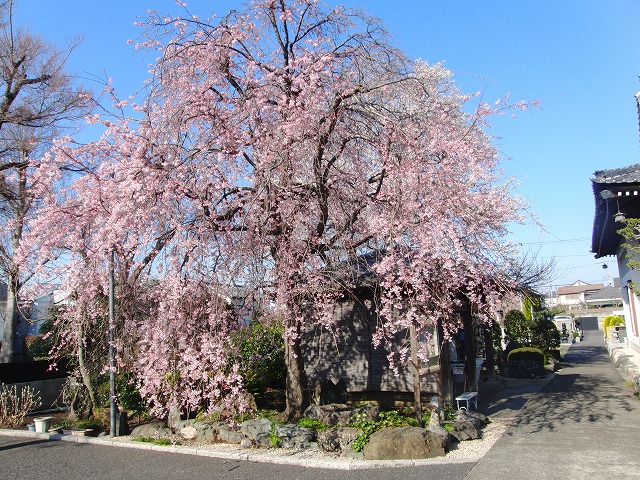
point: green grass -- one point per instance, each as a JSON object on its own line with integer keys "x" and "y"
{"x": 156, "y": 441}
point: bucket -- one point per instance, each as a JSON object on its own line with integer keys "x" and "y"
{"x": 42, "y": 424}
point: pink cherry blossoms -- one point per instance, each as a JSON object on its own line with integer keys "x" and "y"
{"x": 275, "y": 146}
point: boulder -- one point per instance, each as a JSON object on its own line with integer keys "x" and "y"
{"x": 189, "y": 433}
{"x": 294, "y": 436}
{"x": 151, "y": 430}
{"x": 252, "y": 428}
{"x": 468, "y": 425}
{"x": 338, "y": 440}
{"x": 404, "y": 443}
{"x": 227, "y": 435}
{"x": 339, "y": 414}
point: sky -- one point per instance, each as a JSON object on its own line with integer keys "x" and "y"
{"x": 579, "y": 58}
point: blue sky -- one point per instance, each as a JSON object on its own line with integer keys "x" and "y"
{"x": 578, "y": 57}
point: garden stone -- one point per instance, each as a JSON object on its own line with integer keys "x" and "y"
{"x": 227, "y": 435}
{"x": 338, "y": 440}
{"x": 404, "y": 443}
{"x": 339, "y": 414}
{"x": 437, "y": 418}
{"x": 252, "y": 428}
{"x": 292, "y": 436}
{"x": 189, "y": 433}
{"x": 153, "y": 430}
{"x": 263, "y": 440}
{"x": 467, "y": 425}
{"x": 246, "y": 443}
{"x": 442, "y": 433}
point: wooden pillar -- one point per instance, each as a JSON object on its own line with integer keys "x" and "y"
{"x": 490, "y": 358}
{"x": 469, "y": 351}
{"x": 445, "y": 387}
{"x": 415, "y": 363}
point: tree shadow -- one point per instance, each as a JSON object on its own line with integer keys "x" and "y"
{"x": 22, "y": 444}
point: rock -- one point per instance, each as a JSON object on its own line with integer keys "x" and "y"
{"x": 245, "y": 442}
{"x": 293, "y": 436}
{"x": 442, "y": 433}
{"x": 326, "y": 392}
{"x": 122, "y": 425}
{"x": 338, "y": 440}
{"x": 339, "y": 414}
{"x": 153, "y": 430}
{"x": 227, "y": 435}
{"x": 252, "y": 428}
{"x": 189, "y": 433}
{"x": 468, "y": 425}
{"x": 437, "y": 418}
{"x": 404, "y": 443}
{"x": 263, "y": 440}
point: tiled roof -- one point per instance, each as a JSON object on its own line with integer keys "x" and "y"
{"x": 606, "y": 293}
{"x": 630, "y": 174}
{"x": 573, "y": 289}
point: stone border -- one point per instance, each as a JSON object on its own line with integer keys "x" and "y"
{"x": 471, "y": 452}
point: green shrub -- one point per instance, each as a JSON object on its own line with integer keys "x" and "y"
{"x": 611, "y": 321}
{"x": 316, "y": 425}
{"x": 545, "y": 335}
{"x": 518, "y": 328}
{"x": 155, "y": 441}
{"x": 527, "y": 353}
{"x": 261, "y": 351}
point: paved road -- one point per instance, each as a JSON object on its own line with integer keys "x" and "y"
{"x": 584, "y": 424}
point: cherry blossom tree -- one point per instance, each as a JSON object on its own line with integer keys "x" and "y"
{"x": 38, "y": 100}
{"x": 276, "y": 147}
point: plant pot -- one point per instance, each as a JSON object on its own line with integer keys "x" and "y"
{"x": 42, "y": 424}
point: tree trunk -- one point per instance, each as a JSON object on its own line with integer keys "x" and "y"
{"x": 297, "y": 393}
{"x": 10, "y": 322}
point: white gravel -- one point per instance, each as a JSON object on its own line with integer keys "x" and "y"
{"x": 463, "y": 452}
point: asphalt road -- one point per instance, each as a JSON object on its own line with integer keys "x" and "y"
{"x": 584, "y": 424}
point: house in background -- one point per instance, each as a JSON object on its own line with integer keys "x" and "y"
{"x": 31, "y": 315}
{"x": 575, "y": 295}
{"x": 617, "y": 197}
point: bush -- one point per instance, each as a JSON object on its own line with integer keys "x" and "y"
{"x": 611, "y": 321}
{"x": 518, "y": 328}
{"x": 261, "y": 351}
{"x": 528, "y": 354}
{"x": 545, "y": 335}
{"x": 14, "y": 407}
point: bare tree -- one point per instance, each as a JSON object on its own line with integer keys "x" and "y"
{"x": 38, "y": 101}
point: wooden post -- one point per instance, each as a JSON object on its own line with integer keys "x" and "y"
{"x": 445, "y": 389}
{"x": 489, "y": 352}
{"x": 417, "y": 398}
{"x": 469, "y": 351}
